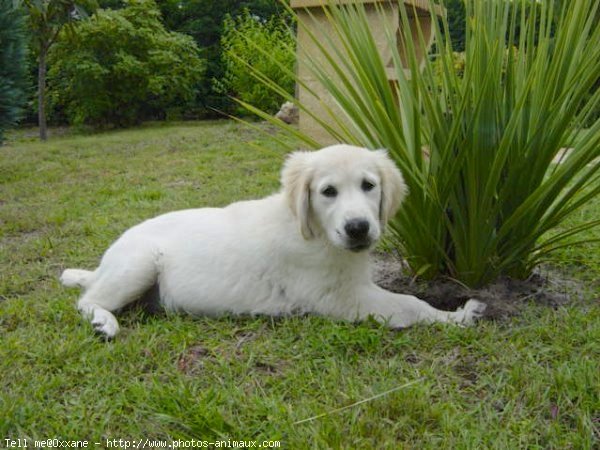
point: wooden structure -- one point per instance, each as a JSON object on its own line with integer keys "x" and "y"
{"x": 382, "y": 15}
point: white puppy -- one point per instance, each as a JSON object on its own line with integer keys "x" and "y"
{"x": 302, "y": 250}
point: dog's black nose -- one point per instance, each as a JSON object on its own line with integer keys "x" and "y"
{"x": 357, "y": 229}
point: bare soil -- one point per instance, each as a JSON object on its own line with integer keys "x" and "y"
{"x": 505, "y": 297}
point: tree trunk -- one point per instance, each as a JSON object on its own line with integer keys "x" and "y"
{"x": 42, "y": 95}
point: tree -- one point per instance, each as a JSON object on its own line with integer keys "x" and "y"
{"x": 13, "y": 66}
{"x": 456, "y": 14}
{"x": 46, "y": 20}
{"x": 121, "y": 66}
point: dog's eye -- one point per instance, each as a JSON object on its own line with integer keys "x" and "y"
{"x": 329, "y": 191}
{"x": 367, "y": 186}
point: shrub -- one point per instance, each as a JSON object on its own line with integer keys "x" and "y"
{"x": 203, "y": 20}
{"x": 488, "y": 200}
{"x": 122, "y": 66}
{"x": 267, "y": 46}
{"x": 13, "y": 68}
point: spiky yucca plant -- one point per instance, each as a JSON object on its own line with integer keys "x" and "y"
{"x": 486, "y": 198}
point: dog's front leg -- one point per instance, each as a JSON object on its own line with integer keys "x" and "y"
{"x": 399, "y": 311}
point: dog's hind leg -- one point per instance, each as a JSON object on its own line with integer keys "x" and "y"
{"x": 123, "y": 276}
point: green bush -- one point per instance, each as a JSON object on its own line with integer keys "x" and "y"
{"x": 122, "y": 66}
{"x": 265, "y": 46}
{"x": 488, "y": 200}
{"x": 203, "y": 20}
{"x": 13, "y": 68}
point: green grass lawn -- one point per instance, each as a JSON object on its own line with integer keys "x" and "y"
{"x": 528, "y": 382}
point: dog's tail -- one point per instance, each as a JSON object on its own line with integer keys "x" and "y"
{"x": 76, "y": 278}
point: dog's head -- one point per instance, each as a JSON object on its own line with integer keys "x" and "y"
{"x": 344, "y": 193}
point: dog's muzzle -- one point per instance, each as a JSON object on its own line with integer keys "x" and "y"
{"x": 357, "y": 235}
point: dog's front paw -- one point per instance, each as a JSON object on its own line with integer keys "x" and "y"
{"x": 105, "y": 323}
{"x": 471, "y": 311}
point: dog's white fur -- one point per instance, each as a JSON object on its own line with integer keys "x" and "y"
{"x": 293, "y": 252}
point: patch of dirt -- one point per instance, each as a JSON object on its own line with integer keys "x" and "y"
{"x": 191, "y": 360}
{"x": 196, "y": 357}
{"x": 504, "y": 298}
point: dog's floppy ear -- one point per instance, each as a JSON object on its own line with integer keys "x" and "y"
{"x": 295, "y": 179}
{"x": 393, "y": 188}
